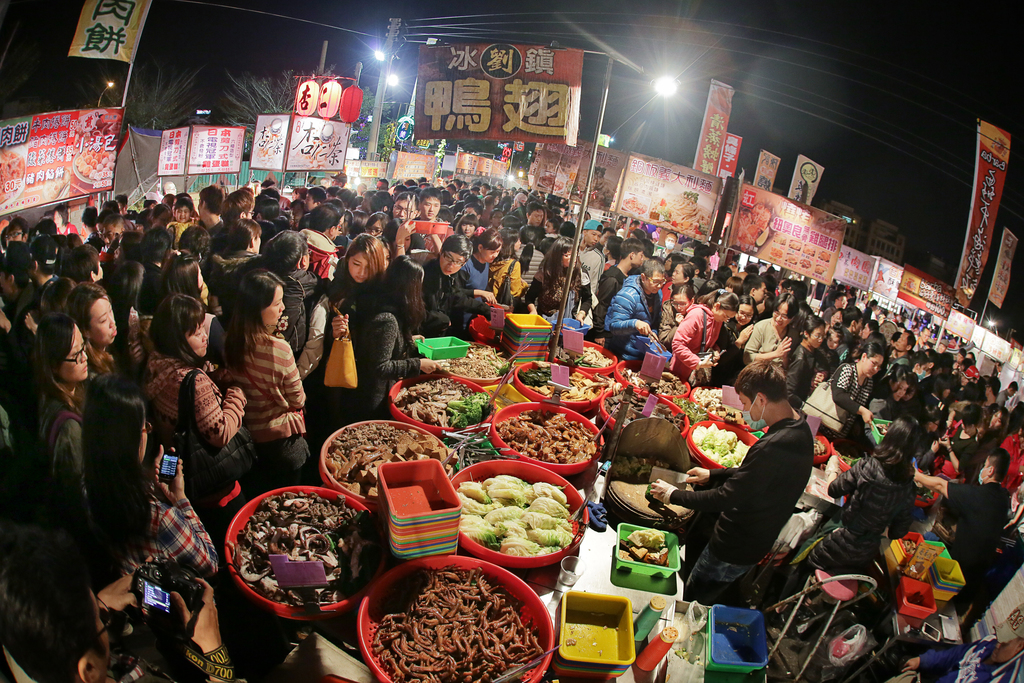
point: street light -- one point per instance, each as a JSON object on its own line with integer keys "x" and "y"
{"x": 665, "y": 86}
{"x": 991, "y": 322}
{"x": 392, "y": 80}
{"x": 110, "y": 84}
{"x": 379, "y": 55}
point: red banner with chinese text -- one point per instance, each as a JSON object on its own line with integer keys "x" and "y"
{"x": 921, "y": 290}
{"x": 730, "y": 156}
{"x": 993, "y": 156}
{"x": 481, "y": 91}
{"x": 713, "y": 129}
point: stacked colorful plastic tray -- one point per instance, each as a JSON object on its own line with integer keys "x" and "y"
{"x": 528, "y": 334}
{"x": 421, "y": 507}
{"x": 607, "y": 621}
{"x": 946, "y": 579}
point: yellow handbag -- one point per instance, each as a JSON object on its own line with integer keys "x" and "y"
{"x": 341, "y": 366}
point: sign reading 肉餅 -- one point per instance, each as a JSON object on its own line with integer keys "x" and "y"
{"x": 498, "y": 91}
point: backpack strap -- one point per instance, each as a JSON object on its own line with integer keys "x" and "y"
{"x": 58, "y": 422}
{"x": 187, "y": 402}
{"x": 704, "y": 333}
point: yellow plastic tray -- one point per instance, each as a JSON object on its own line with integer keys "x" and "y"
{"x": 597, "y": 611}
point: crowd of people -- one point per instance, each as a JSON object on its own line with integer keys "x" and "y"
{"x": 209, "y": 327}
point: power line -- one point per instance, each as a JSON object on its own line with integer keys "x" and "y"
{"x": 276, "y": 16}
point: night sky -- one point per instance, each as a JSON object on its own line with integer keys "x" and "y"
{"x": 883, "y": 95}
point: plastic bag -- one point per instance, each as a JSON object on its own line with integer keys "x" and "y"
{"x": 845, "y": 648}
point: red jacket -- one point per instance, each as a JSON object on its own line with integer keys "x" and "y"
{"x": 323, "y": 254}
{"x": 1012, "y": 445}
{"x": 686, "y": 343}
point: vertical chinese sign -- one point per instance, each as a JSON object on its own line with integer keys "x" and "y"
{"x": 993, "y": 155}
{"x": 923, "y": 291}
{"x": 806, "y": 176}
{"x": 527, "y": 93}
{"x": 713, "y": 129}
{"x": 791, "y": 235}
{"x": 854, "y": 268}
{"x": 767, "y": 167}
{"x": 173, "y": 152}
{"x": 730, "y": 156}
{"x": 1001, "y": 278}
{"x": 317, "y": 145}
{"x": 672, "y": 197}
{"x": 269, "y": 142}
{"x": 607, "y": 172}
{"x": 215, "y": 150}
{"x": 109, "y": 29}
{"x": 557, "y": 168}
{"x": 52, "y": 157}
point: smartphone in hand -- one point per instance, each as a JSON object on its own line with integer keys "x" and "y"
{"x": 168, "y": 468}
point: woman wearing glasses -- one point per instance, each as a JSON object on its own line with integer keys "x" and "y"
{"x": 805, "y": 367}
{"x": 673, "y": 311}
{"x": 61, "y": 368}
{"x": 769, "y": 339}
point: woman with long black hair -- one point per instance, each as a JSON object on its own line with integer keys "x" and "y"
{"x": 123, "y": 288}
{"x": 804, "y": 363}
{"x": 262, "y": 363}
{"x": 545, "y": 293}
{"x": 852, "y": 385}
{"x": 880, "y": 501}
{"x": 132, "y": 512}
{"x": 382, "y": 340}
{"x": 183, "y": 275}
{"x": 90, "y": 306}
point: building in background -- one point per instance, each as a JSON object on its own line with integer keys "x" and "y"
{"x": 874, "y": 237}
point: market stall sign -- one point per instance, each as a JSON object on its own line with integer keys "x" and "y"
{"x": 307, "y": 98}
{"x": 475, "y": 165}
{"x": 404, "y": 130}
{"x": 713, "y": 129}
{"x": 366, "y": 170}
{"x": 854, "y": 268}
{"x": 672, "y": 197}
{"x": 806, "y": 176}
{"x": 269, "y": 142}
{"x": 173, "y": 152}
{"x": 412, "y": 165}
{"x": 730, "y": 156}
{"x": 481, "y": 91}
{"x": 789, "y": 234}
{"x": 557, "y": 166}
{"x": 767, "y": 167}
{"x": 1001, "y": 278}
{"x": 330, "y": 99}
{"x": 923, "y": 291}
{"x": 215, "y": 149}
{"x": 56, "y": 156}
{"x": 960, "y": 325}
{"x": 607, "y": 173}
{"x": 316, "y": 144}
{"x": 996, "y": 346}
{"x": 887, "y": 279}
{"x": 109, "y": 29}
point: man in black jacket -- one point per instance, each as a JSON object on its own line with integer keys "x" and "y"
{"x": 755, "y": 499}
{"x": 632, "y": 256}
{"x": 445, "y": 292}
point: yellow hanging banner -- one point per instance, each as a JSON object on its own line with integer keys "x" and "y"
{"x": 109, "y": 29}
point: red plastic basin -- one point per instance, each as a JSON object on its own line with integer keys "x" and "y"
{"x": 402, "y": 417}
{"x": 558, "y": 468}
{"x": 531, "y": 473}
{"x": 582, "y": 407}
{"x": 743, "y": 435}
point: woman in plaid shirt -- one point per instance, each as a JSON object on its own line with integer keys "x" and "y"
{"x": 134, "y": 514}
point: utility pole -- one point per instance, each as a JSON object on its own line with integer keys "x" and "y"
{"x": 323, "y": 59}
{"x": 382, "y": 81}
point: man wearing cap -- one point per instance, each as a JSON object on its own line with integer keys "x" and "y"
{"x": 995, "y": 659}
{"x": 591, "y": 262}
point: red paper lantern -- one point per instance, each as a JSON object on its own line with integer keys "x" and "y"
{"x": 330, "y": 97}
{"x": 351, "y": 103}
{"x": 307, "y": 97}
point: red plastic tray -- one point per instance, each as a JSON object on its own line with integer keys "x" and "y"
{"x": 923, "y": 607}
{"x": 480, "y": 330}
{"x": 582, "y": 407}
{"x": 706, "y": 462}
{"x": 417, "y": 488}
{"x": 402, "y": 417}
{"x": 822, "y": 459}
{"x": 533, "y": 613}
{"x": 331, "y": 483}
{"x": 572, "y": 416}
{"x": 280, "y": 609}
{"x": 531, "y": 473}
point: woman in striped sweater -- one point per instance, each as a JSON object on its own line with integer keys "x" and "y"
{"x": 263, "y": 364}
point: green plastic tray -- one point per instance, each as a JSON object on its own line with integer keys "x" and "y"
{"x": 644, "y": 582}
{"x": 671, "y": 540}
{"x": 443, "y": 348}
{"x": 874, "y": 429}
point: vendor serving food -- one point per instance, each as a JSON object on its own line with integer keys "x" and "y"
{"x": 756, "y": 499}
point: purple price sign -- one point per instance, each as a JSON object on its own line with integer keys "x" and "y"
{"x": 731, "y": 398}
{"x": 652, "y": 401}
{"x": 291, "y": 574}
{"x": 497, "y": 318}
{"x": 813, "y": 421}
{"x": 572, "y": 340}
{"x": 560, "y": 375}
{"x": 653, "y": 366}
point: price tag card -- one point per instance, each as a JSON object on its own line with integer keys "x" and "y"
{"x": 649, "y": 406}
{"x": 572, "y": 341}
{"x": 813, "y": 421}
{"x": 731, "y": 398}
{"x": 291, "y": 574}
{"x": 497, "y": 318}
{"x": 560, "y": 376}
{"x": 653, "y": 366}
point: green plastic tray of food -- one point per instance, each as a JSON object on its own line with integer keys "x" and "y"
{"x": 671, "y": 540}
{"x": 443, "y": 348}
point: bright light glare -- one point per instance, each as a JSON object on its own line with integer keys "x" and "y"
{"x": 511, "y": 178}
{"x": 665, "y": 86}
{"x": 392, "y": 79}
{"x": 991, "y": 323}
{"x": 520, "y": 174}
{"x": 379, "y": 55}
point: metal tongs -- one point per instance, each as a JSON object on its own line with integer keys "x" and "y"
{"x": 518, "y": 671}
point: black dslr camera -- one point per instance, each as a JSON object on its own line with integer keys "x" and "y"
{"x": 153, "y": 584}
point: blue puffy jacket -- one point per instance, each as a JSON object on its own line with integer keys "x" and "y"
{"x": 628, "y": 306}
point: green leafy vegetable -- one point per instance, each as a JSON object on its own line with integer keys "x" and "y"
{"x": 551, "y": 507}
{"x": 544, "y": 490}
{"x": 476, "y": 491}
{"x": 652, "y": 539}
{"x": 504, "y": 515}
{"x": 520, "y": 547}
{"x": 474, "y": 507}
{"x": 480, "y": 531}
{"x": 468, "y": 411}
{"x": 559, "y": 537}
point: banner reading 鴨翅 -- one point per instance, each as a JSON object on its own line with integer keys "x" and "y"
{"x": 498, "y": 91}
{"x": 51, "y": 157}
{"x": 993, "y": 155}
{"x": 1001, "y": 277}
{"x": 789, "y": 234}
